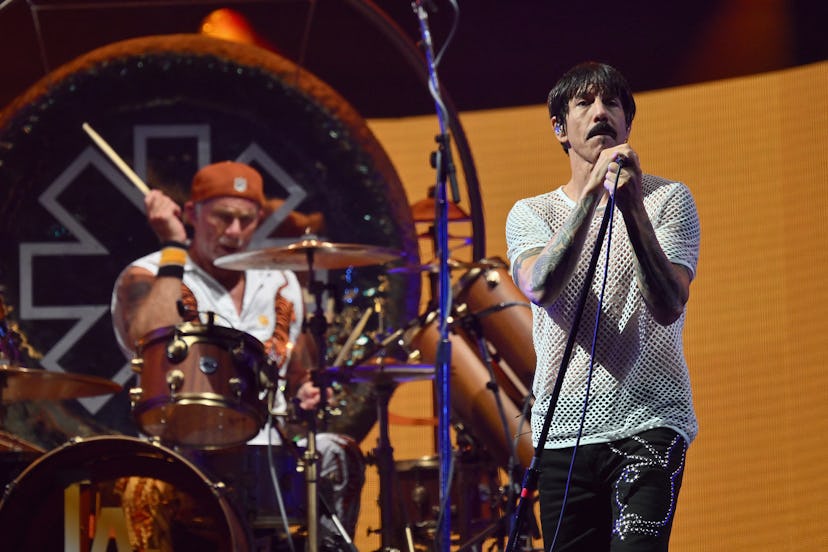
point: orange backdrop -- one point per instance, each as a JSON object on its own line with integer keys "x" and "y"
{"x": 752, "y": 151}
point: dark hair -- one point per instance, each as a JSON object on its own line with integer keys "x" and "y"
{"x": 600, "y": 78}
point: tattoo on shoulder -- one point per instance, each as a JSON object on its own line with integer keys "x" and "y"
{"x": 136, "y": 287}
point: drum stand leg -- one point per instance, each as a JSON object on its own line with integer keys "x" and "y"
{"x": 390, "y": 510}
{"x": 318, "y": 327}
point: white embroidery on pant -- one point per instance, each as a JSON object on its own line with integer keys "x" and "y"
{"x": 629, "y": 522}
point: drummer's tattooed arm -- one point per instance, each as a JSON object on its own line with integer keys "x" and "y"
{"x": 145, "y": 303}
{"x": 132, "y": 290}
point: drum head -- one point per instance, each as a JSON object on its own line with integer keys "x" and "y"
{"x": 121, "y": 483}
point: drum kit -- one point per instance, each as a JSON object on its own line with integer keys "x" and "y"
{"x": 202, "y": 388}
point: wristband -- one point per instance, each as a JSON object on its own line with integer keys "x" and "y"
{"x": 173, "y": 271}
{"x": 173, "y": 258}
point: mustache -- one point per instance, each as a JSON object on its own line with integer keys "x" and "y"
{"x": 600, "y": 129}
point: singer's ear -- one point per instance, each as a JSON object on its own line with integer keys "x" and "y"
{"x": 558, "y": 128}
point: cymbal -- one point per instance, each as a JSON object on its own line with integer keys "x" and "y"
{"x": 24, "y": 384}
{"x": 434, "y": 266}
{"x": 399, "y": 373}
{"x": 325, "y": 255}
{"x": 13, "y": 443}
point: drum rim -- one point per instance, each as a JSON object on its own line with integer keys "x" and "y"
{"x": 201, "y": 333}
{"x": 208, "y": 400}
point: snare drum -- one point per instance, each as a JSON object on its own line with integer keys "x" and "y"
{"x": 143, "y": 496}
{"x": 199, "y": 386}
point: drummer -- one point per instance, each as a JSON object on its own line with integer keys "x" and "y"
{"x": 225, "y": 207}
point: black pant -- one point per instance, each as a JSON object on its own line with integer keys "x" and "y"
{"x": 622, "y": 495}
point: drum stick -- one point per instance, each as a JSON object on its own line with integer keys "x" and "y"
{"x": 349, "y": 343}
{"x": 115, "y": 158}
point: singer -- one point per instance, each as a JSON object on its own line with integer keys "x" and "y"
{"x": 226, "y": 206}
{"x": 624, "y": 416}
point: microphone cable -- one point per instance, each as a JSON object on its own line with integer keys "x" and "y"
{"x": 590, "y": 371}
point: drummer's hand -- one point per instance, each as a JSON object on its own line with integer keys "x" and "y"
{"x": 164, "y": 216}
{"x": 308, "y": 396}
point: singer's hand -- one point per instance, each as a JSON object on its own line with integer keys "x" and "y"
{"x": 164, "y": 217}
{"x": 623, "y": 175}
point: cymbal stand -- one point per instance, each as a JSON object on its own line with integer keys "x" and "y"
{"x": 295, "y": 450}
{"x": 318, "y": 326}
{"x": 470, "y": 322}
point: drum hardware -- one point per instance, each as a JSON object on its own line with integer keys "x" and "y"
{"x": 135, "y": 395}
{"x": 199, "y": 385}
{"x": 392, "y": 514}
{"x": 470, "y": 322}
{"x": 381, "y": 371}
{"x": 236, "y": 386}
{"x": 177, "y": 349}
{"x": 175, "y": 378}
{"x": 309, "y": 254}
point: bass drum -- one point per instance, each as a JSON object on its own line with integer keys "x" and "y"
{"x": 143, "y": 496}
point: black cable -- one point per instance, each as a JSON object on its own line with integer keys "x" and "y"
{"x": 590, "y": 372}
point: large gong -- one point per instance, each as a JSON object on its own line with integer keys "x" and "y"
{"x": 70, "y": 221}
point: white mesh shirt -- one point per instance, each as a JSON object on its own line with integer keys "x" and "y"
{"x": 640, "y": 376}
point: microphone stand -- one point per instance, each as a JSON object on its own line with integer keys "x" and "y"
{"x": 530, "y": 479}
{"x": 442, "y": 162}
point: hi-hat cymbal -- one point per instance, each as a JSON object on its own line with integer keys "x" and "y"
{"x": 399, "y": 373}
{"x": 25, "y": 384}
{"x": 434, "y": 266}
{"x": 298, "y": 256}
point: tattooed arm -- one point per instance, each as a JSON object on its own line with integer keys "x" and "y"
{"x": 144, "y": 303}
{"x": 541, "y": 273}
{"x": 664, "y": 286}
